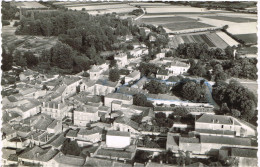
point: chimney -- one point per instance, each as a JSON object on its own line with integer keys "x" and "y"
{"x": 59, "y": 106}
{"x": 43, "y": 104}
{"x": 37, "y": 154}
{"x": 47, "y": 137}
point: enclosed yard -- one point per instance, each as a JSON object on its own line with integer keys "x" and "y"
{"x": 185, "y": 25}
{"x": 248, "y": 38}
{"x": 232, "y": 19}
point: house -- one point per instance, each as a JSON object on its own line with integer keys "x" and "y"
{"x": 9, "y": 157}
{"x": 148, "y": 115}
{"x": 129, "y": 110}
{"x": 177, "y": 67}
{"x": 8, "y": 131}
{"x": 146, "y": 30}
{"x": 152, "y": 38}
{"x": 71, "y": 84}
{"x": 121, "y": 59}
{"x": 11, "y": 117}
{"x": 130, "y": 90}
{"x": 9, "y": 101}
{"x": 135, "y": 75}
{"x": 160, "y": 55}
{"x": 89, "y": 135}
{"x": 61, "y": 160}
{"x": 85, "y": 114}
{"x": 162, "y": 74}
{"x": 136, "y": 52}
{"x": 117, "y": 139}
{"x": 125, "y": 124}
{"x": 37, "y": 156}
{"x": 29, "y": 92}
{"x": 221, "y": 125}
{"x": 56, "y": 110}
{"x": 94, "y": 72}
{"x": 27, "y": 75}
{"x": 129, "y": 37}
{"x": 87, "y": 85}
{"x": 28, "y": 109}
{"x": 55, "y": 127}
{"x": 117, "y": 97}
{"x": 140, "y": 84}
{"x": 104, "y": 87}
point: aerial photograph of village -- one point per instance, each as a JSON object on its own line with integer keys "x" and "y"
{"x": 129, "y": 84}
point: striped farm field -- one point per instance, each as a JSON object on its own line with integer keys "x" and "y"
{"x": 211, "y": 39}
{"x": 164, "y": 20}
{"x": 230, "y": 41}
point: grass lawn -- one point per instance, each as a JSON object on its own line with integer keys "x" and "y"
{"x": 248, "y": 38}
{"x": 185, "y": 25}
{"x": 232, "y": 19}
{"x": 162, "y": 20}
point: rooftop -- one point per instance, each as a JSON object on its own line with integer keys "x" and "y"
{"x": 69, "y": 160}
{"x": 119, "y": 96}
{"x": 118, "y": 133}
{"x": 216, "y": 119}
{"x": 127, "y": 121}
{"x": 226, "y": 140}
{"x": 106, "y": 83}
{"x": 133, "y": 74}
{"x": 244, "y": 152}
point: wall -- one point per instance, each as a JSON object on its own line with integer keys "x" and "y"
{"x": 117, "y": 141}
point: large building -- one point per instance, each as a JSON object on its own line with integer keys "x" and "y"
{"x": 85, "y": 114}
{"x": 117, "y": 139}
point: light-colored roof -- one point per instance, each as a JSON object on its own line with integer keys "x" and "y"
{"x": 106, "y": 83}
{"x": 87, "y": 108}
{"x": 131, "y": 91}
{"x": 69, "y": 160}
{"x": 133, "y": 74}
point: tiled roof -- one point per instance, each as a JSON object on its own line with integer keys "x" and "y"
{"x": 27, "y": 91}
{"x": 162, "y": 97}
{"x": 127, "y": 121}
{"x": 12, "y": 98}
{"x": 244, "y": 152}
{"x": 209, "y": 131}
{"x": 94, "y": 68}
{"x": 70, "y": 80}
{"x": 118, "y": 96}
{"x": 189, "y": 140}
{"x": 72, "y": 133}
{"x": 7, "y": 152}
{"x": 90, "y": 162}
{"x": 118, "y": 133}
{"x": 216, "y": 119}
{"x": 131, "y": 91}
{"x": 133, "y": 74}
{"x": 43, "y": 122}
{"x": 115, "y": 153}
{"x": 163, "y": 72}
{"x": 90, "y": 131}
{"x": 57, "y": 142}
{"x": 69, "y": 160}
{"x": 87, "y": 108}
{"x": 39, "y": 154}
{"x": 177, "y": 64}
{"x": 225, "y": 140}
{"x": 106, "y": 83}
{"x": 53, "y": 124}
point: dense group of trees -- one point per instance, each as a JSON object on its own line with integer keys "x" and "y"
{"x": 141, "y": 100}
{"x": 148, "y": 69}
{"x": 114, "y": 75}
{"x": 190, "y": 90}
{"x": 201, "y": 51}
{"x": 7, "y": 60}
{"x": 9, "y": 12}
{"x": 156, "y": 87}
{"x": 221, "y": 70}
{"x": 235, "y": 99}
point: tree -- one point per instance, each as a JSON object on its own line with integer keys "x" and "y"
{"x": 113, "y": 63}
{"x": 180, "y": 111}
{"x": 19, "y": 59}
{"x": 7, "y": 60}
{"x": 30, "y": 59}
{"x": 137, "y": 118}
{"x": 139, "y": 99}
{"x": 62, "y": 56}
{"x": 155, "y": 87}
{"x": 224, "y": 108}
{"x": 114, "y": 75}
{"x": 235, "y": 113}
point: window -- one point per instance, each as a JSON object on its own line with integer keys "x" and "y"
{"x": 222, "y": 126}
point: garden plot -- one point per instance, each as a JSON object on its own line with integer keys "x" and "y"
{"x": 173, "y": 9}
{"x": 219, "y": 42}
{"x": 101, "y": 7}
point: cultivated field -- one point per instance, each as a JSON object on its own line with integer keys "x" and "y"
{"x": 29, "y": 5}
{"x": 232, "y": 19}
{"x": 164, "y": 20}
{"x": 212, "y": 39}
{"x": 248, "y": 38}
{"x": 185, "y": 25}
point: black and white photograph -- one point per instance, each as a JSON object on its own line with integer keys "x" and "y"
{"x": 129, "y": 83}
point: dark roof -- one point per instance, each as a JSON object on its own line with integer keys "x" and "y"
{"x": 244, "y": 152}
{"x": 106, "y": 83}
{"x": 163, "y": 72}
{"x": 127, "y": 121}
{"x": 224, "y": 132}
{"x": 131, "y": 91}
{"x": 226, "y": 140}
{"x": 115, "y": 153}
{"x": 216, "y": 119}
{"x": 72, "y": 133}
{"x": 119, "y": 96}
{"x": 39, "y": 154}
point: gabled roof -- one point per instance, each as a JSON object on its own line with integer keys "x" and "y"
{"x": 69, "y": 160}
{"x": 72, "y": 133}
{"x": 189, "y": 140}
{"x": 130, "y": 90}
{"x": 133, "y": 74}
{"x": 119, "y": 96}
{"x": 38, "y": 154}
{"x": 226, "y": 140}
{"x": 127, "y": 121}
{"x": 90, "y": 131}
{"x": 163, "y": 72}
{"x": 106, "y": 83}
{"x": 216, "y": 119}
